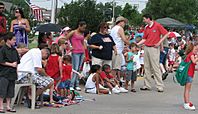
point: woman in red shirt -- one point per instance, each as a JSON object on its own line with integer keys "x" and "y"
{"x": 191, "y": 53}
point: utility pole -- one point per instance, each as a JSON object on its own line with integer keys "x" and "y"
{"x": 113, "y": 11}
{"x": 53, "y": 13}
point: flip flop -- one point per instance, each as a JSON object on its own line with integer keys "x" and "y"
{"x": 1, "y": 111}
{"x": 133, "y": 90}
{"x": 11, "y": 110}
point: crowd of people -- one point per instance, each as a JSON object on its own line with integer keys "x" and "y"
{"x": 115, "y": 60}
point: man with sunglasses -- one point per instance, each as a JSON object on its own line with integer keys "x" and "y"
{"x": 2, "y": 20}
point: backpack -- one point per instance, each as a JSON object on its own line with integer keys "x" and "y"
{"x": 182, "y": 72}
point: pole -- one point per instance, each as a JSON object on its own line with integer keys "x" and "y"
{"x": 27, "y": 3}
{"x": 53, "y": 13}
{"x": 113, "y": 11}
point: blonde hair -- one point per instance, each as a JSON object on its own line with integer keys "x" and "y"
{"x": 55, "y": 49}
{"x": 21, "y": 45}
{"x": 61, "y": 41}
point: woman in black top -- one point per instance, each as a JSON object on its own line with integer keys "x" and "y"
{"x": 102, "y": 46}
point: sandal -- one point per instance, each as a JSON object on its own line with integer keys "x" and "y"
{"x": 133, "y": 90}
{"x": 11, "y": 110}
{"x": 2, "y": 111}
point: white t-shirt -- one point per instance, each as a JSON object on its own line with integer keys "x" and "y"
{"x": 172, "y": 54}
{"x": 117, "y": 39}
{"x": 141, "y": 59}
{"x": 31, "y": 60}
{"x": 136, "y": 60}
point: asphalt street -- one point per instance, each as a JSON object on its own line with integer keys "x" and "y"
{"x": 141, "y": 102}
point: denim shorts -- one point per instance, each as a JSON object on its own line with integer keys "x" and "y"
{"x": 131, "y": 75}
{"x": 64, "y": 85}
{"x": 189, "y": 79}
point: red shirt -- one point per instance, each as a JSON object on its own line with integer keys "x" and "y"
{"x": 52, "y": 66}
{"x": 152, "y": 34}
{"x": 191, "y": 69}
{"x": 103, "y": 75}
{"x": 67, "y": 70}
{"x": 2, "y": 24}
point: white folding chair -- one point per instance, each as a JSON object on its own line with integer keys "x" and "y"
{"x": 20, "y": 92}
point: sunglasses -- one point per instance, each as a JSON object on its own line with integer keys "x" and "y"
{"x": 1, "y": 7}
{"x": 16, "y": 11}
{"x": 105, "y": 27}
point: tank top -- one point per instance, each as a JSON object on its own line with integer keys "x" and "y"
{"x": 90, "y": 84}
{"x": 77, "y": 42}
{"x": 52, "y": 66}
{"x": 20, "y": 34}
{"x": 117, "y": 39}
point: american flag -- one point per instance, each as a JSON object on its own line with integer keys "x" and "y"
{"x": 37, "y": 12}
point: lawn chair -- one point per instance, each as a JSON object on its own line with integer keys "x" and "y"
{"x": 19, "y": 91}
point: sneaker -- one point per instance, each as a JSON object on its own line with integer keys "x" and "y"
{"x": 71, "y": 89}
{"x": 109, "y": 92}
{"x": 122, "y": 90}
{"x": 117, "y": 87}
{"x": 189, "y": 106}
{"x": 122, "y": 80}
{"x": 160, "y": 90}
{"x": 116, "y": 91}
{"x": 164, "y": 75}
{"x": 78, "y": 88}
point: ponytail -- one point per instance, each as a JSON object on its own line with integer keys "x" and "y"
{"x": 190, "y": 47}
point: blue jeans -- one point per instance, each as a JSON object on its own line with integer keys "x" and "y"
{"x": 77, "y": 60}
{"x": 163, "y": 56}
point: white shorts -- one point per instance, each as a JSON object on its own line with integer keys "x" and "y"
{"x": 101, "y": 62}
{"x": 92, "y": 90}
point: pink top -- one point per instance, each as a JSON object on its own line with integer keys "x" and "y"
{"x": 77, "y": 42}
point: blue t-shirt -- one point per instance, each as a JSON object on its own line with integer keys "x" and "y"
{"x": 130, "y": 64}
{"x": 102, "y": 40}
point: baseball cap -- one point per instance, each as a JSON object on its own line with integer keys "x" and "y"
{"x": 66, "y": 28}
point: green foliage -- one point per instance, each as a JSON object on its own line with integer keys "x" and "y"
{"x": 86, "y": 9}
{"x": 132, "y": 14}
{"x": 184, "y": 10}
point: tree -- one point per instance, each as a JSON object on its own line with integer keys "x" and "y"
{"x": 82, "y": 9}
{"x": 184, "y": 10}
{"x": 132, "y": 14}
{"x": 86, "y": 9}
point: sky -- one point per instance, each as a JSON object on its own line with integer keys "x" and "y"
{"x": 47, "y": 3}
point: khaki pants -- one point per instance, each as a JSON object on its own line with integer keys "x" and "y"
{"x": 152, "y": 66}
{"x": 117, "y": 61}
